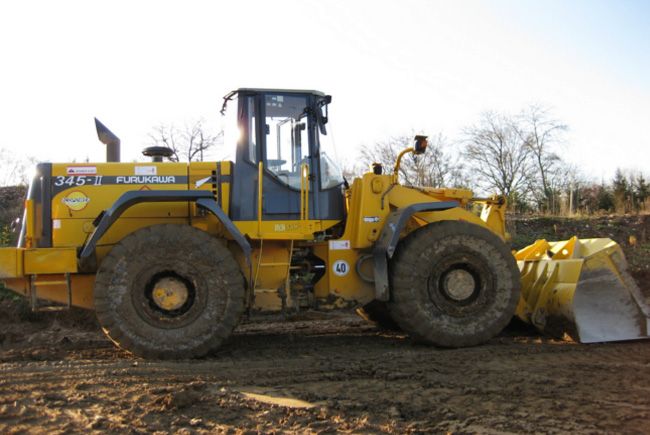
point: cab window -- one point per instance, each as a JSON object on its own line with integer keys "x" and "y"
{"x": 251, "y": 128}
{"x": 287, "y": 137}
{"x": 331, "y": 174}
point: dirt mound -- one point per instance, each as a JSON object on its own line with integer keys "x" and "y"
{"x": 631, "y": 232}
{"x": 525, "y": 230}
{"x": 11, "y": 203}
{"x": 21, "y": 328}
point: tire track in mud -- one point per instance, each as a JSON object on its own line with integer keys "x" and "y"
{"x": 357, "y": 378}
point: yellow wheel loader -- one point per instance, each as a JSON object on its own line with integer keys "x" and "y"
{"x": 171, "y": 255}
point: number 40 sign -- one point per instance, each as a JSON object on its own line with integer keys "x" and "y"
{"x": 340, "y": 267}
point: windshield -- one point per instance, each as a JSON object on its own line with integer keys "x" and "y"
{"x": 330, "y": 172}
{"x": 287, "y": 140}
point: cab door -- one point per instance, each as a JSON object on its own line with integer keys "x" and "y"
{"x": 287, "y": 131}
{"x": 277, "y": 131}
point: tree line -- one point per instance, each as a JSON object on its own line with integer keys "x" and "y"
{"x": 517, "y": 156}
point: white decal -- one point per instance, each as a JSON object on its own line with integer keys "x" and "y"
{"x": 340, "y": 268}
{"x": 155, "y": 179}
{"x": 280, "y": 227}
{"x": 371, "y": 219}
{"x": 202, "y": 181}
{"x": 78, "y": 180}
{"x": 56, "y": 224}
{"x": 146, "y": 170}
{"x": 337, "y": 245}
{"x": 81, "y": 170}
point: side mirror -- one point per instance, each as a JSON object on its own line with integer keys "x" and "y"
{"x": 420, "y": 145}
{"x": 322, "y": 112}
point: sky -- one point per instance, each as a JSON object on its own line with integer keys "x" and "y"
{"x": 393, "y": 68}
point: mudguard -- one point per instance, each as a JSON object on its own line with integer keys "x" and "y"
{"x": 385, "y": 246}
{"x": 203, "y": 199}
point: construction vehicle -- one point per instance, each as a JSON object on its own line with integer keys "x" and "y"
{"x": 171, "y": 255}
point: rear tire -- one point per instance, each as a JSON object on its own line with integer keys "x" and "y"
{"x": 453, "y": 284}
{"x": 169, "y": 292}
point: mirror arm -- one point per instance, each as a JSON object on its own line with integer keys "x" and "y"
{"x": 398, "y": 162}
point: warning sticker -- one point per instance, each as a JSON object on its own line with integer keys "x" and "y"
{"x": 146, "y": 170}
{"x": 81, "y": 170}
{"x": 338, "y": 245}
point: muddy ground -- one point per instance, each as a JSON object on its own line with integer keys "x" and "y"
{"x": 321, "y": 373}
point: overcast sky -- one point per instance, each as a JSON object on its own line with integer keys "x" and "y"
{"x": 391, "y": 67}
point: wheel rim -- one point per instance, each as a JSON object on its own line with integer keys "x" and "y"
{"x": 170, "y": 294}
{"x": 458, "y": 284}
{"x": 167, "y": 299}
{"x": 461, "y": 285}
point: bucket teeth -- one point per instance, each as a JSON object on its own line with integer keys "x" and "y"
{"x": 581, "y": 288}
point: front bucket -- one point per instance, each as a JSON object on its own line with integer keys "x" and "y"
{"x": 581, "y": 288}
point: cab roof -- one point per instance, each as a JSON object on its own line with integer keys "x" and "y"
{"x": 281, "y": 91}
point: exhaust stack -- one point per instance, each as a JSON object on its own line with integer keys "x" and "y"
{"x": 109, "y": 139}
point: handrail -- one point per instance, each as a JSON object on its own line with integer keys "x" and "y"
{"x": 260, "y": 177}
{"x": 304, "y": 192}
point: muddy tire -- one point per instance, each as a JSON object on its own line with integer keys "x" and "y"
{"x": 169, "y": 292}
{"x": 377, "y": 312}
{"x": 453, "y": 284}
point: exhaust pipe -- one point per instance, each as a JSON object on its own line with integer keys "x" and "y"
{"x": 109, "y": 139}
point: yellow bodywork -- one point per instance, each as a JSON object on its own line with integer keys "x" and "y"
{"x": 369, "y": 201}
{"x": 18, "y": 262}
{"x": 11, "y": 263}
{"x": 564, "y": 284}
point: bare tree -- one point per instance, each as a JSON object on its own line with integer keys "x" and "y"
{"x": 565, "y": 182}
{"x": 541, "y": 133}
{"x": 15, "y": 170}
{"x": 386, "y": 153}
{"x": 188, "y": 144}
{"x": 434, "y": 168}
{"x": 499, "y": 156}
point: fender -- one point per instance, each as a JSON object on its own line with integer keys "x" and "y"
{"x": 387, "y": 243}
{"x": 202, "y": 198}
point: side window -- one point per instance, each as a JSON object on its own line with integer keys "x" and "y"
{"x": 252, "y": 129}
{"x": 331, "y": 174}
{"x": 286, "y": 131}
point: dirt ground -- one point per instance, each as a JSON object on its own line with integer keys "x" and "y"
{"x": 318, "y": 374}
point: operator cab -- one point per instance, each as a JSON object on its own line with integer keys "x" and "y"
{"x": 285, "y": 131}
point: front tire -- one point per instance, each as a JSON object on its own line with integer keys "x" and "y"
{"x": 377, "y": 312}
{"x": 169, "y": 292}
{"x": 453, "y": 284}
